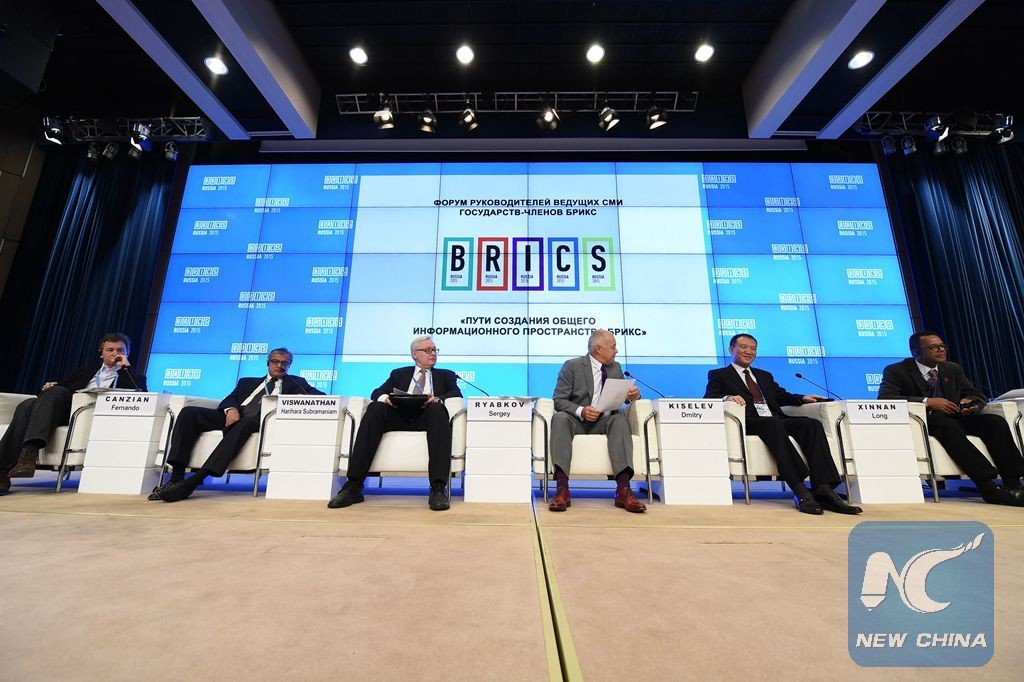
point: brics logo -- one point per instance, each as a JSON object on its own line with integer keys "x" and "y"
{"x": 528, "y": 264}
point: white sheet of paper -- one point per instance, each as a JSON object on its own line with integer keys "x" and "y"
{"x": 613, "y": 394}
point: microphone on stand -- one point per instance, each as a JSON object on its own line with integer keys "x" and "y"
{"x": 635, "y": 378}
{"x": 798, "y": 375}
{"x": 294, "y": 381}
{"x": 467, "y": 381}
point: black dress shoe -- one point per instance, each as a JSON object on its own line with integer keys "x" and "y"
{"x": 1001, "y": 495}
{"x": 808, "y": 506}
{"x": 438, "y": 501}
{"x": 5, "y": 482}
{"x": 834, "y": 503}
{"x": 348, "y": 495}
{"x": 175, "y": 492}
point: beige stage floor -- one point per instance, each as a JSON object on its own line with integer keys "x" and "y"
{"x": 225, "y": 586}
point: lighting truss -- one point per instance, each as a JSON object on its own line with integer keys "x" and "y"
{"x": 509, "y": 102}
{"x": 913, "y": 123}
{"x": 178, "y": 129}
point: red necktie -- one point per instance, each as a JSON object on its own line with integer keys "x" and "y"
{"x": 753, "y": 387}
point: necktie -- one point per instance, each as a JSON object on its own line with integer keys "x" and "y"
{"x": 420, "y": 382}
{"x": 604, "y": 375}
{"x": 270, "y": 386}
{"x": 752, "y": 386}
{"x": 933, "y": 381}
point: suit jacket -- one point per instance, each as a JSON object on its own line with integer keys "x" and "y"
{"x": 904, "y": 380}
{"x": 575, "y": 385}
{"x": 81, "y": 377}
{"x": 725, "y": 381}
{"x": 291, "y": 385}
{"x": 445, "y": 382}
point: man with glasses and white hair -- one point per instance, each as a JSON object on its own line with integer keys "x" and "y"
{"x": 381, "y": 416}
{"x": 953, "y": 404}
{"x": 238, "y": 415}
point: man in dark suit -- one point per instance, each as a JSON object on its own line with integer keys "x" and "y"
{"x": 577, "y": 389}
{"x": 763, "y": 400}
{"x": 953, "y": 404}
{"x": 238, "y": 415}
{"x": 36, "y": 418}
{"x": 382, "y": 416}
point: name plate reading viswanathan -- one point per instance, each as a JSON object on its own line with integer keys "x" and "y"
{"x": 309, "y": 407}
{"x": 695, "y": 411}
{"x": 499, "y": 409}
{"x": 877, "y": 411}
{"x": 134, "y": 404}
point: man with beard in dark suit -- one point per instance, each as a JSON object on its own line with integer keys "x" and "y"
{"x": 763, "y": 399}
{"x": 238, "y": 415}
{"x": 36, "y": 418}
{"x": 381, "y": 416}
{"x": 953, "y": 404}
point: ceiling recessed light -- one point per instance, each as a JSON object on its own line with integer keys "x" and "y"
{"x": 595, "y": 54}
{"x": 464, "y": 54}
{"x": 704, "y": 53}
{"x": 861, "y": 59}
{"x": 216, "y": 65}
{"x": 358, "y": 55}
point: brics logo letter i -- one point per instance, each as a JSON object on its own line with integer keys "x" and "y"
{"x": 566, "y": 264}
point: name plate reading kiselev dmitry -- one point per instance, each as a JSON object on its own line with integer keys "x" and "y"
{"x": 499, "y": 409}
{"x": 309, "y": 407}
{"x": 682, "y": 411}
{"x": 135, "y": 404}
{"x": 877, "y": 411}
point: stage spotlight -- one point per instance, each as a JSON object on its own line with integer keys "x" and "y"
{"x": 607, "y": 119}
{"x": 936, "y": 129}
{"x": 111, "y": 150}
{"x": 908, "y": 144}
{"x": 1002, "y": 130}
{"x": 171, "y": 151}
{"x": 53, "y": 130}
{"x": 860, "y": 60}
{"x": 595, "y": 54}
{"x": 656, "y": 117}
{"x": 384, "y": 119}
{"x": 428, "y": 122}
{"x": 958, "y": 145}
{"x": 358, "y": 56}
{"x": 216, "y": 65}
{"x": 940, "y": 148}
{"x": 467, "y": 119}
{"x": 548, "y": 118}
{"x": 889, "y": 145}
{"x": 134, "y": 152}
{"x": 704, "y": 53}
{"x": 92, "y": 152}
{"x": 140, "y": 136}
{"x": 464, "y": 54}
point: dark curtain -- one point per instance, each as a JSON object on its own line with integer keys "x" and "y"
{"x": 86, "y": 262}
{"x": 963, "y": 216}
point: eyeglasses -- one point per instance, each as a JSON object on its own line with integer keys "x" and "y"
{"x": 429, "y": 351}
{"x": 935, "y": 346}
{"x": 282, "y": 363}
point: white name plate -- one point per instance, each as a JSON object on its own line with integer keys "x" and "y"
{"x": 499, "y": 409}
{"x": 134, "y": 404}
{"x": 309, "y": 406}
{"x": 877, "y": 411}
{"x": 690, "y": 411}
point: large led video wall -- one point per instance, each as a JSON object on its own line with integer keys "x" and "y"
{"x": 510, "y": 266}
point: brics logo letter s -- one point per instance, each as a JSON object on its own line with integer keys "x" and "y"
{"x": 528, "y": 264}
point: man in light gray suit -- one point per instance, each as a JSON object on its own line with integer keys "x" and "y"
{"x": 578, "y": 388}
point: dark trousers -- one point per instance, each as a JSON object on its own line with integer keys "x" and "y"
{"x": 952, "y": 432}
{"x": 34, "y": 421}
{"x": 194, "y": 421}
{"x": 775, "y": 432}
{"x": 381, "y": 418}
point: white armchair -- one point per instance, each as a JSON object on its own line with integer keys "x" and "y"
{"x": 590, "y": 451}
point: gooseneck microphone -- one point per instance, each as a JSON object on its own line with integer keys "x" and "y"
{"x": 637, "y": 379}
{"x": 798, "y": 375}
{"x": 467, "y": 381}
{"x": 127, "y": 373}
{"x": 296, "y": 382}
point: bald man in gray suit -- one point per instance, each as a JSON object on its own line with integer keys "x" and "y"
{"x": 579, "y": 385}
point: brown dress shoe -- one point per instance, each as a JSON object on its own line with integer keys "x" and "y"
{"x": 5, "y": 482}
{"x": 624, "y": 498}
{"x": 561, "y": 501}
{"x": 26, "y": 466}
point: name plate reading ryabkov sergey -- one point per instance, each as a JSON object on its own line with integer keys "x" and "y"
{"x": 309, "y": 407}
{"x": 499, "y": 409}
{"x": 683, "y": 411}
{"x": 135, "y": 404}
{"x": 877, "y": 411}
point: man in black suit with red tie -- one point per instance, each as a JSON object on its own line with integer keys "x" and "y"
{"x": 953, "y": 404}
{"x": 35, "y": 419}
{"x": 238, "y": 415}
{"x": 763, "y": 398}
{"x": 382, "y": 416}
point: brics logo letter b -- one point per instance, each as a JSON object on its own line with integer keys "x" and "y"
{"x": 482, "y": 264}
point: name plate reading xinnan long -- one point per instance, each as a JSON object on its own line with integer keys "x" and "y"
{"x": 499, "y": 409}
{"x": 309, "y": 407}
{"x": 134, "y": 404}
{"x": 877, "y": 411}
{"x": 682, "y": 411}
